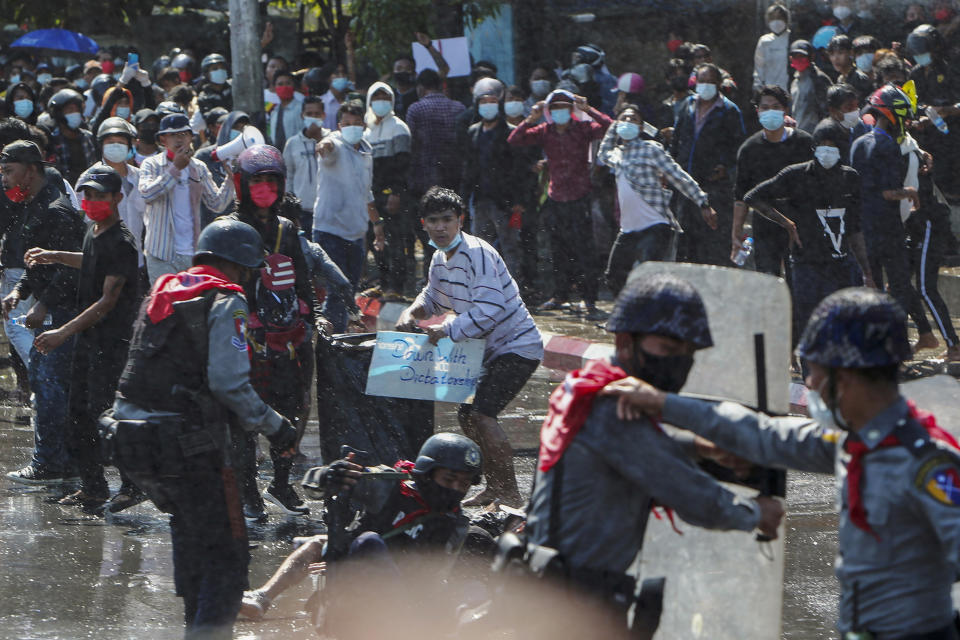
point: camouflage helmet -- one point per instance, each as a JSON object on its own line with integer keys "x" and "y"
{"x": 451, "y": 451}
{"x": 662, "y": 304}
{"x": 856, "y": 328}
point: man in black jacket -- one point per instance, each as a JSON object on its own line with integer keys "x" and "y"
{"x": 489, "y": 175}
{"x": 49, "y": 221}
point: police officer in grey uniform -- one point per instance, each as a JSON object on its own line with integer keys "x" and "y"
{"x": 595, "y": 486}
{"x": 897, "y": 473}
{"x": 187, "y": 364}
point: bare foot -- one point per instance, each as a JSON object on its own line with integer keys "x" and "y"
{"x": 925, "y": 341}
{"x": 952, "y": 354}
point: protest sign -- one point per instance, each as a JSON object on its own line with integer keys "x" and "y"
{"x": 406, "y": 365}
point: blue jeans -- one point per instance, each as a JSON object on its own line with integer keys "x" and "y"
{"x": 348, "y": 255}
{"x": 50, "y": 381}
{"x": 19, "y": 336}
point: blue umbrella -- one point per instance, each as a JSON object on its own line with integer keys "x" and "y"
{"x": 57, "y": 40}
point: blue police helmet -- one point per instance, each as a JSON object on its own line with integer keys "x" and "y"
{"x": 452, "y": 451}
{"x": 856, "y": 328}
{"x": 662, "y": 304}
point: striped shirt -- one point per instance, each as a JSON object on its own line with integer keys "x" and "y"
{"x": 158, "y": 177}
{"x": 475, "y": 284}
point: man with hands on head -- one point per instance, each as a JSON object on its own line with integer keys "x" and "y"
{"x": 468, "y": 277}
{"x": 897, "y": 472}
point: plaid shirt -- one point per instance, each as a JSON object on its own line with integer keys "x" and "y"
{"x": 435, "y": 158}
{"x": 61, "y": 149}
{"x": 642, "y": 162}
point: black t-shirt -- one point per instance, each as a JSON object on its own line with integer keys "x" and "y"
{"x": 484, "y": 151}
{"x": 759, "y": 159}
{"x": 112, "y": 253}
{"x": 824, "y": 204}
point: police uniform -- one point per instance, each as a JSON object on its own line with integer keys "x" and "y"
{"x": 898, "y": 487}
{"x": 182, "y": 370}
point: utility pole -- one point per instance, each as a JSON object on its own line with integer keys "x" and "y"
{"x": 245, "y": 54}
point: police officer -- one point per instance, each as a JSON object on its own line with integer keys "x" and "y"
{"x": 188, "y": 363}
{"x": 897, "y": 473}
{"x": 396, "y": 515}
{"x": 598, "y": 475}
{"x": 214, "y": 87}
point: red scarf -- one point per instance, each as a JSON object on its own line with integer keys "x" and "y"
{"x": 186, "y": 285}
{"x": 409, "y": 491}
{"x": 857, "y": 449}
{"x": 570, "y": 405}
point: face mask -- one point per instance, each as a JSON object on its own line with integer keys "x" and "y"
{"x": 851, "y": 119}
{"x": 800, "y": 64}
{"x": 706, "y": 90}
{"x": 74, "y": 120}
{"x": 450, "y": 247}
{"x": 263, "y": 194}
{"x": 381, "y": 107}
{"x": 115, "y": 152}
{"x": 679, "y": 83}
{"x": 513, "y": 108}
{"x": 352, "y": 134}
{"x": 673, "y": 45}
{"x": 820, "y": 412}
{"x": 922, "y": 59}
{"x": 234, "y": 133}
{"x": 842, "y": 12}
{"x": 23, "y": 108}
{"x": 107, "y": 66}
{"x": 827, "y": 156}
{"x": 96, "y": 210}
{"x": 439, "y": 498}
{"x": 218, "y": 76}
{"x": 771, "y": 119}
{"x": 777, "y": 26}
{"x": 339, "y": 84}
{"x": 865, "y": 14}
{"x": 667, "y": 373}
{"x": 284, "y": 93}
{"x": 17, "y": 194}
{"x": 540, "y": 88}
{"x": 404, "y": 77}
{"x": 184, "y": 76}
{"x": 865, "y": 62}
{"x": 81, "y": 83}
{"x": 15, "y": 78}
{"x": 44, "y": 78}
{"x": 149, "y": 134}
{"x": 488, "y": 111}
{"x": 123, "y": 112}
{"x": 628, "y": 130}
{"x": 307, "y": 121}
{"x": 560, "y": 116}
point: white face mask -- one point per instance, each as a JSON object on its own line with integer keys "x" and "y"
{"x": 777, "y": 26}
{"x": 842, "y": 12}
{"x": 115, "y": 152}
{"x": 828, "y": 157}
{"x": 821, "y": 413}
{"x": 851, "y": 119}
{"x": 707, "y": 90}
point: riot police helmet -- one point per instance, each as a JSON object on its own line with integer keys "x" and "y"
{"x": 662, "y": 304}
{"x": 450, "y": 451}
{"x": 231, "y": 240}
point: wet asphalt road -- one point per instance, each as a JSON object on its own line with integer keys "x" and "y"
{"x": 69, "y": 575}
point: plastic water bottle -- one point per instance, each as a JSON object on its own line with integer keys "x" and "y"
{"x": 744, "y": 252}
{"x": 937, "y": 120}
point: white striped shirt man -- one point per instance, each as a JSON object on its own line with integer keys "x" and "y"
{"x": 474, "y": 283}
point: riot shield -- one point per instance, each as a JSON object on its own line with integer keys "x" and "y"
{"x": 727, "y": 584}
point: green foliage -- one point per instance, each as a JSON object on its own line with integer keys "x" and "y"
{"x": 93, "y": 15}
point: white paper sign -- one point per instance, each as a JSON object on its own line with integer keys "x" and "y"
{"x": 406, "y": 365}
{"x": 456, "y": 51}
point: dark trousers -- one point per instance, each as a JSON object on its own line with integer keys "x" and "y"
{"x": 771, "y": 247}
{"x": 888, "y": 255}
{"x": 210, "y": 553}
{"x": 50, "y": 381}
{"x": 699, "y": 243}
{"x": 572, "y": 249}
{"x": 392, "y": 261}
{"x": 925, "y": 262}
{"x": 528, "y": 245}
{"x": 348, "y": 255}
{"x": 92, "y": 390}
{"x": 812, "y": 282}
{"x": 655, "y": 243}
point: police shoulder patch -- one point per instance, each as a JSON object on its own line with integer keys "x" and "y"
{"x": 239, "y": 341}
{"x": 939, "y": 477}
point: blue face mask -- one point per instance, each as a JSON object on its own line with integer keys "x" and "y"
{"x": 234, "y": 133}
{"x": 74, "y": 120}
{"x": 560, "y": 116}
{"x": 15, "y": 78}
{"x": 218, "y": 76}
{"x": 771, "y": 119}
{"x": 628, "y": 130}
{"x": 44, "y": 78}
{"x": 123, "y": 112}
{"x": 23, "y": 108}
{"x": 352, "y": 134}
{"x": 340, "y": 84}
{"x": 488, "y": 110}
{"x": 922, "y": 59}
{"x": 865, "y": 62}
{"x": 381, "y": 107}
{"x": 450, "y": 247}
{"x": 307, "y": 121}
{"x": 513, "y": 108}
